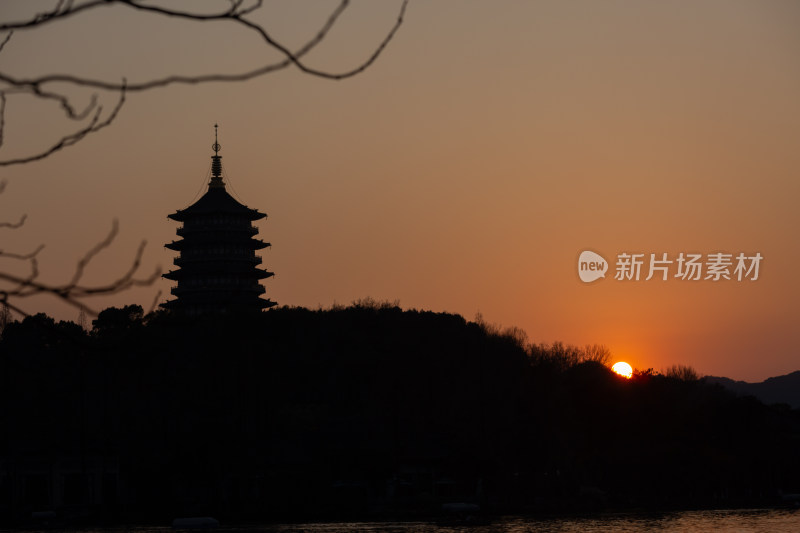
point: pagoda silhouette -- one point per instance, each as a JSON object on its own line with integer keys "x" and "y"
{"x": 217, "y": 262}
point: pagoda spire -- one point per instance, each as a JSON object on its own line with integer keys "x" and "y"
{"x": 216, "y": 163}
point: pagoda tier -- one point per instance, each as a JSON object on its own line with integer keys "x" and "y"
{"x": 210, "y": 241}
{"x": 217, "y": 264}
{"x": 207, "y": 274}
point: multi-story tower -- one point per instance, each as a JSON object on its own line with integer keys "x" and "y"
{"x": 217, "y": 263}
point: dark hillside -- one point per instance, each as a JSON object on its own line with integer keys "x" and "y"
{"x": 780, "y": 389}
{"x": 361, "y": 411}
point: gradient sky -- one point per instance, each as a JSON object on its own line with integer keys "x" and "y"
{"x": 463, "y": 172}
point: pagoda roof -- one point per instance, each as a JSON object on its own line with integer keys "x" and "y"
{"x": 216, "y": 201}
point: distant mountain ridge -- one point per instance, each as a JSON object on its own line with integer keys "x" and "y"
{"x": 780, "y": 389}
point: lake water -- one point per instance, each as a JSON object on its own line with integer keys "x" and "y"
{"x": 739, "y": 521}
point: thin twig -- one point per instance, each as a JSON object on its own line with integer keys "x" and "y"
{"x": 88, "y": 256}
{"x": 5, "y": 41}
{"x": 56, "y": 14}
{"x": 13, "y": 225}
{"x": 24, "y": 257}
{"x": 2, "y": 116}
{"x": 155, "y": 302}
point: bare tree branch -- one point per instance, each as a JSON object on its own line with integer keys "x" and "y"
{"x": 72, "y": 291}
{"x": 67, "y": 10}
{"x": 235, "y": 13}
{"x": 290, "y": 57}
{"x": 68, "y": 140}
{"x": 19, "y": 286}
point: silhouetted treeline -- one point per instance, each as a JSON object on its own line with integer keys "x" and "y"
{"x": 298, "y": 413}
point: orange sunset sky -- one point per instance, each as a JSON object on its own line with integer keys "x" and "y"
{"x": 465, "y": 171}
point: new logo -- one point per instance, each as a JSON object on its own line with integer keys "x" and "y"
{"x": 591, "y": 266}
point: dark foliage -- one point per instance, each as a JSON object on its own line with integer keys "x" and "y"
{"x": 365, "y": 409}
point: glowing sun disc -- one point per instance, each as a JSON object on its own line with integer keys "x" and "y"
{"x": 623, "y": 369}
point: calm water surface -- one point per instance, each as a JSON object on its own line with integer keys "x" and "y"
{"x": 740, "y": 521}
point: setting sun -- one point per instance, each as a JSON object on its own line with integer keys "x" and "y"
{"x": 623, "y": 369}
